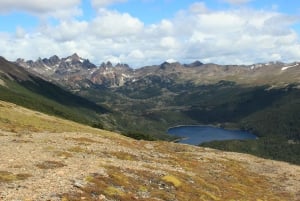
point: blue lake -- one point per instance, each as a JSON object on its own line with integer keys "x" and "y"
{"x": 198, "y": 134}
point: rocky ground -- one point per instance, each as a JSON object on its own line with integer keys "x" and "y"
{"x": 45, "y": 158}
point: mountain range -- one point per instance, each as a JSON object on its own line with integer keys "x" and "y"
{"x": 77, "y": 72}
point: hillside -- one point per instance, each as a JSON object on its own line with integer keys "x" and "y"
{"x": 21, "y": 87}
{"x": 46, "y": 158}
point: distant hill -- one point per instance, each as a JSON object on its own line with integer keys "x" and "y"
{"x": 28, "y": 90}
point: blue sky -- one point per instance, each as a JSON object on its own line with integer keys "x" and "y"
{"x": 146, "y": 32}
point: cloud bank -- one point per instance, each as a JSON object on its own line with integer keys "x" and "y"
{"x": 236, "y": 36}
{"x": 237, "y": 2}
{"x": 39, "y": 7}
{"x": 105, "y": 3}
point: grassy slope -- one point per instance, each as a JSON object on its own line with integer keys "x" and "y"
{"x": 48, "y": 98}
{"x": 131, "y": 170}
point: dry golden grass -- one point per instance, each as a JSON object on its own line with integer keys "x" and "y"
{"x": 63, "y": 154}
{"x": 82, "y": 140}
{"x": 21, "y": 120}
{"x": 172, "y": 180}
{"x": 50, "y": 164}
{"x": 6, "y": 176}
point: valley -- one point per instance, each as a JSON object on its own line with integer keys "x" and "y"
{"x": 143, "y": 103}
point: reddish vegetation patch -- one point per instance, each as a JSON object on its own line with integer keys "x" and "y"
{"x": 50, "y": 165}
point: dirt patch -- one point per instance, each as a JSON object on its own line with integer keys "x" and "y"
{"x": 2, "y": 83}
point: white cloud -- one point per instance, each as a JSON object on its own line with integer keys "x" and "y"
{"x": 112, "y": 23}
{"x": 20, "y": 32}
{"x": 104, "y": 3}
{"x": 166, "y": 26}
{"x": 225, "y": 37}
{"x": 220, "y": 21}
{"x": 236, "y": 2}
{"x": 66, "y": 31}
{"x": 136, "y": 54}
{"x": 169, "y": 43}
{"x": 238, "y": 36}
{"x": 198, "y": 7}
{"x": 37, "y": 6}
{"x": 158, "y": 30}
{"x": 44, "y": 9}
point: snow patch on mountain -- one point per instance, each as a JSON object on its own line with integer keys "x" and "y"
{"x": 287, "y": 67}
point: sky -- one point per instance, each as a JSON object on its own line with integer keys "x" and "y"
{"x": 149, "y": 32}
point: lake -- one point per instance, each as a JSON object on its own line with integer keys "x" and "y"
{"x": 196, "y": 135}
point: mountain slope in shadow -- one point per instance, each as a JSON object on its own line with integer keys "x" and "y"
{"x": 25, "y": 89}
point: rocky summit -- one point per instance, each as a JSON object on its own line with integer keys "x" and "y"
{"x": 76, "y": 72}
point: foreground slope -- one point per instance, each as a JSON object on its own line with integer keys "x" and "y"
{"x": 46, "y": 158}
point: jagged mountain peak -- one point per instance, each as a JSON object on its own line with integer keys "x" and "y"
{"x": 121, "y": 65}
{"x": 74, "y": 71}
{"x": 54, "y": 58}
{"x": 194, "y": 64}
{"x": 168, "y": 63}
{"x": 12, "y": 71}
{"x": 109, "y": 64}
{"x": 79, "y": 62}
{"x": 75, "y": 57}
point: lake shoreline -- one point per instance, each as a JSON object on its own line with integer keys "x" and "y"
{"x": 197, "y": 134}
{"x": 219, "y": 125}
